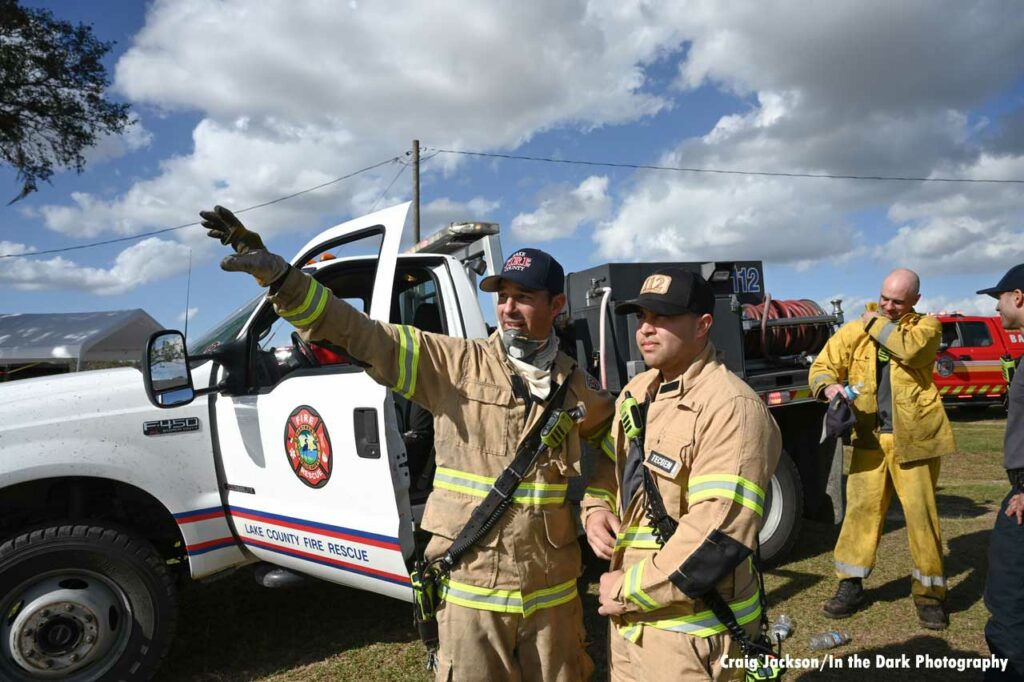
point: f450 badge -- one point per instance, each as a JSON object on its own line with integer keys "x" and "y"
{"x": 308, "y": 446}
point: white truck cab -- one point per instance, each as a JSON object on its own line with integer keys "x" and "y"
{"x": 253, "y": 446}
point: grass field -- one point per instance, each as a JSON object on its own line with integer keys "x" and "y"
{"x": 234, "y": 631}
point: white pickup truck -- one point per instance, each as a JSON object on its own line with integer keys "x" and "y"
{"x": 256, "y": 448}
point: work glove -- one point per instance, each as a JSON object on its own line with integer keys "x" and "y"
{"x": 250, "y": 254}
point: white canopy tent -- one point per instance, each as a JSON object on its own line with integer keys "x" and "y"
{"x": 74, "y": 338}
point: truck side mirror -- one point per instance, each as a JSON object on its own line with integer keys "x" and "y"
{"x": 165, "y": 368}
{"x": 943, "y": 346}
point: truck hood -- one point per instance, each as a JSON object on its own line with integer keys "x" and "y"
{"x": 71, "y": 397}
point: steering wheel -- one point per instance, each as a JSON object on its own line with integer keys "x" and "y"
{"x": 305, "y": 353}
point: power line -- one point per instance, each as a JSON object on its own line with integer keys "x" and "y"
{"x": 401, "y": 169}
{"x": 720, "y": 171}
{"x": 192, "y": 224}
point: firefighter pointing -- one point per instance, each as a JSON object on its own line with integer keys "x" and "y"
{"x": 504, "y": 558}
{"x": 901, "y": 431}
{"x": 678, "y": 509}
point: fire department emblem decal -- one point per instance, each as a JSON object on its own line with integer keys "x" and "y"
{"x": 308, "y": 446}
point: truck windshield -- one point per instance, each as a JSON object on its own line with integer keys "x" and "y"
{"x": 226, "y": 330}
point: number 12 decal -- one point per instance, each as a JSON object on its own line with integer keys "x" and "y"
{"x": 746, "y": 281}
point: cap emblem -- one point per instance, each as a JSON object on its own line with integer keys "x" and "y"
{"x": 518, "y": 261}
{"x": 656, "y": 284}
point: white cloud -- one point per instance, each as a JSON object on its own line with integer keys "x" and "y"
{"x": 147, "y": 261}
{"x": 190, "y": 313}
{"x": 562, "y": 211}
{"x": 14, "y": 249}
{"x": 839, "y": 88}
{"x": 108, "y": 147}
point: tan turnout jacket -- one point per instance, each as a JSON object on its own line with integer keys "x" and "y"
{"x": 920, "y": 428}
{"x": 712, "y": 447}
{"x": 531, "y": 559}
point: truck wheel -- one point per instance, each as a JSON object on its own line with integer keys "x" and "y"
{"x": 83, "y": 603}
{"x": 783, "y": 514}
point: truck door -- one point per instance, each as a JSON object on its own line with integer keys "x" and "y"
{"x": 309, "y": 456}
{"x": 972, "y": 354}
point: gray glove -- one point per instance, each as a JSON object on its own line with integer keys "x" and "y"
{"x": 250, "y": 254}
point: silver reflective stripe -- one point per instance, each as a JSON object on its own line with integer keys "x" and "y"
{"x": 820, "y": 379}
{"x": 853, "y": 571}
{"x": 928, "y": 580}
{"x": 886, "y": 332}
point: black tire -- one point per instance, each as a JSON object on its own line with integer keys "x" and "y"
{"x": 53, "y": 579}
{"x": 783, "y": 513}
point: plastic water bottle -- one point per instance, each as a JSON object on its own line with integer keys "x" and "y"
{"x": 853, "y": 391}
{"x": 829, "y": 640}
{"x": 782, "y": 627}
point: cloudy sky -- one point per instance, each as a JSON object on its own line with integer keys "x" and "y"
{"x": 241, "y": 102}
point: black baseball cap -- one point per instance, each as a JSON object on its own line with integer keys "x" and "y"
{"x": 672, "y": 291}
{"x": 1013, "y": 279}
{"x": 531, "y": 269}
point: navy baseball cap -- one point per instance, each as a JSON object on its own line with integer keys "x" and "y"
{"x": 531, "y": 269}
{"x": 672, "y": 291}
{"x": 1013, "y": 279}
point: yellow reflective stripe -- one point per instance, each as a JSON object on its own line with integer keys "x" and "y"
{"x": 302, "y": 307}
{"x": 641, "y": 537}
{"x": 507, "y": 601}
{"x": 321, "y": 305}
{"x": 957, "y": 390}
{"x": 602, "y": 494}
{"x": 479, "y": 486}
{"x": 608, "y": 447}
{"x": 702, "y": 624}
{"x": 632, "y": 591}
{"x": 737, "y": 488}
{"x": 603, "y": 440}
{"x": 408, "y": 360}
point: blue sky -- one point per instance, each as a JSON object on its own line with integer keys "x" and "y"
{"x": 239, "y": 103}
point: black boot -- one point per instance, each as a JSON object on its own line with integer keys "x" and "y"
{"x": 932, "y": 616}
{"x": 849, "y": 597}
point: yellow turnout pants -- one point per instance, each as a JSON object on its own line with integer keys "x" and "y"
{"x": 874, "y": 474}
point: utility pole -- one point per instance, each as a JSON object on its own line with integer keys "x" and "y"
{"x": 415, "y": 191}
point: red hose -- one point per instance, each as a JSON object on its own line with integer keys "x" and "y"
{"x": 767, "y": 342}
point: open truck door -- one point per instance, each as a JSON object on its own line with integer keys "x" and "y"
{"x": 310, "y": 451}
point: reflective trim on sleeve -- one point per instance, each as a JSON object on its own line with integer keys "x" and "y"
{"x": 885, "y": 332}
{"x": 507, "y": 601}
{"x": 408, "y": 360}
{"x": 603, "y": 495}
{"x": 316, "y": 299}
{"x": 641, "y": 537}
{"x": 479, "y": 486}
{"x": 632, "y": 591}
{"x": 702, "y": 624}
{"x": 820, "y": 379}
{"x": 603, "y": 441}
{"x": 736, "y": 488}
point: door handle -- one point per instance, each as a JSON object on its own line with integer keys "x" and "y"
{"x": 367, "y": 435}
{"x": 963, "y": 357}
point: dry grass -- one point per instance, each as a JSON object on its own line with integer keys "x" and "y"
{"x": 235, "y": 631}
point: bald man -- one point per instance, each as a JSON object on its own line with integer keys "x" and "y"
{"x": 901, "y": 433}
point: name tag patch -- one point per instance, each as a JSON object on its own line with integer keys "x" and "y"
{"x": 663, "y": 463}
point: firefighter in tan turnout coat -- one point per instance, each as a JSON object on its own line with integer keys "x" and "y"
{"x": 710, "y": 447}
{"x": 511, "y": 609}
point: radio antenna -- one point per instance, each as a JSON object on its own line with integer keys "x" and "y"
{"x": 188, "y": 288}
